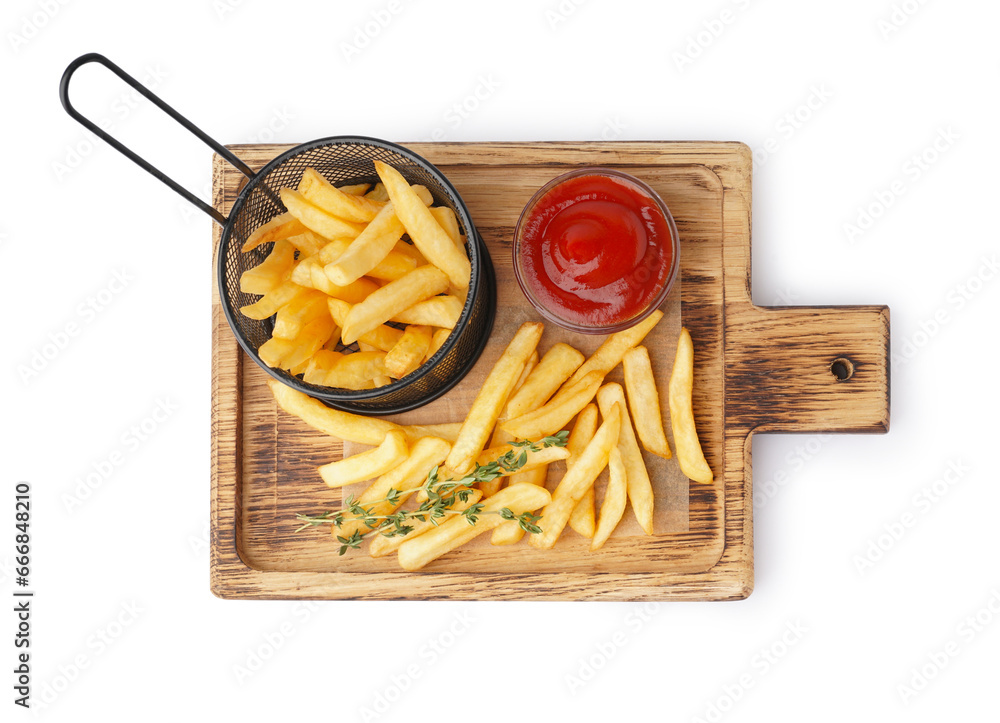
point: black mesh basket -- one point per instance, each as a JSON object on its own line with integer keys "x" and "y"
{"x": 342, "y": 160}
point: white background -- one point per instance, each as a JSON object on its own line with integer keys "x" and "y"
{"x": 129, "y": 561}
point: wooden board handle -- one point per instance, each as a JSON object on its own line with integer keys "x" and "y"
{"x": 808, "y": 369}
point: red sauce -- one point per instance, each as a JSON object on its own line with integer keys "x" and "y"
{"x": 595, "y": 250}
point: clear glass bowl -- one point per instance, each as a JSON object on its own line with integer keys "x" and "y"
{"x": 553, "y": 314}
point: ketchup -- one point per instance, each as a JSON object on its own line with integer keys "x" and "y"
{"x": 595, "y": 249}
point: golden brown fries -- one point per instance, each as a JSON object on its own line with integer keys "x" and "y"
{"x": 381, "y": 545}
{"x": 492, "y": 397}
{"x": 316, "y": 219}
{"x": 322, "y": 194}
{"x": 271, "y": 272}
{"x": 409, "y": 352}
{"x": 278, "y": 228}
{"x": 510, "y": 532}
{"x": 644, "y": 401}
{"x": 577, "y": 480}
{"x": 555, "y": 415}
{"x": 396, "y": 296}
{"x": 447, "y": 431}
{"x": 615, "y": 495}
{"x": 689, "y": 453}
{"x": 423, "y": 229}
{"x": 366, "y": 465}
{"x": 343, "y": 425}
{"x": 640, "y": 489}
{"x": 438, "y": 311}
{"x": 555, "y": 367}
{"x": 370, "y": 247}
{"x": 416, "y": 553}
{"x": 582, "y": 519}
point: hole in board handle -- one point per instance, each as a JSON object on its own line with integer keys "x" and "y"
{"x": 842, "y": 368}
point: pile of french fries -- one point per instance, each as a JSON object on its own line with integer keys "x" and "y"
{"x": 341, "y": 270}
{"x": 524, "y": 397}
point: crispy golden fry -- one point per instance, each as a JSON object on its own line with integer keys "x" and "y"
{"x": 423, "y": 229}
{"x": 644, "y": 401}
{"x": 492, "y": 397}
{"x": 358, "y": 189}
{"x": 278, "y": 228}
{"x": 271, "y": 271}
{"x": 308, "y": 341}
{"x": 640, "y": 489}
{"x": 380, "y": 546}
{"x": 555, "y": 415}
{"x": 582, "y": 519}
{"x": 365, "y": 465}
{"x": 378, "y": 193}
{"x": 439, "y": 311}
{"x": 317, "y": 220}
{"x": 533, "y": 460}
{"x": 610, "y": 353}
{"x": 615, "y": 495}
{"x": 354, "y": 293}
{"x": 382, "y": 337}
{"x": 319, "y": 364}
{"x": 510, "y": 532}
{"x": 416, "y": 553}
{"x": 357, "y": 370}
{"x": 438, "y": 338}
{"x": 689, "y": 453}
{"x": 406, "y": 477}
{"x": 409, "y": 351}
{"x": 412, "y": 251}
{"x": 447, "y": 431}
{"x": 555, "y": 368}
{"x": 322, "y": 194}
{"x": 368, "y": 249}
{"x": 273, "y": 300}
{"x": 577, "y": 480}
{"x": 386, "y": 302}
{"x": 500, "y": 438}
{"x": 343, "y": 425}
{"x": 303, "y": 309}
{"x": 447, "y": 220}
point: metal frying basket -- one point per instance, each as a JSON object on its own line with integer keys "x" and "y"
{"x": 342, "y": 160}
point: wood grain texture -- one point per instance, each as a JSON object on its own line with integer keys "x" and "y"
{"x": 759, "y": 369}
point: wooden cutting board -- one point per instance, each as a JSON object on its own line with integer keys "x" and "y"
{"x": 757, "y": 369}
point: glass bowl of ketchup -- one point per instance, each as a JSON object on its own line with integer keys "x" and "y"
{"x": 596, "y": 251}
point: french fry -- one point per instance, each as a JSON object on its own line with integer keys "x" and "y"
{"x": 423, "y": 229}
{"x": 378, "y": 193}
{"x": 343, "y": 425}
{"x": 582, "y": 519}
{"x": 577, "y": 480}
{"x": 613, "y": 506}
{"x": 319, "y": 364}
{"x": 689, "y": 453}
{"x": 354, "y": 293}
{"x": 308, "y": 341}
{"x": 307, "y": 243}
{"x": 365, "y": 465}
{"x": 610, "y": 353}
{"x": 640, "y": 489}
{"x": 409, "y": 351}
{"x": 322, "y": 194}
{"x": 492, "y": 396}
{"x": 303, "y": 309}
{"x": 273, "y": 300}
{"x": 271, "y": 271}
{"x": 380, "y": 546}
{"x": 416, "y": 553}
{"x": 405, "y": 477}
{"x": 501, "y": 438}
{"x": 384, "y": 303}
{"x": 447, "y": 431}
{"x": 317, "y": 220}
{"x": 278, "y": 228}
{"x": 370, "y": 247}
{"x": 533, "y": 459}
{"x": 644, "y": 401}
{"x": 357, "y": 189}
{"x": 438, "y": 338}
{"x": 439, "y": 311}
{"x": 357, "y": 370}
{"x": 447, "y": 220}
{"x": 381, "y": 337}
{"x": 510, "y": 532}
{"x": 556, "y": 367}
{"x": 555, "y": 415}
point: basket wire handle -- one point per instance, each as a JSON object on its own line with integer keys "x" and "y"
{"x": 131, "y": 155}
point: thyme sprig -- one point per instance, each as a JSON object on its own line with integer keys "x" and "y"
{"x": 442, "y": 495}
